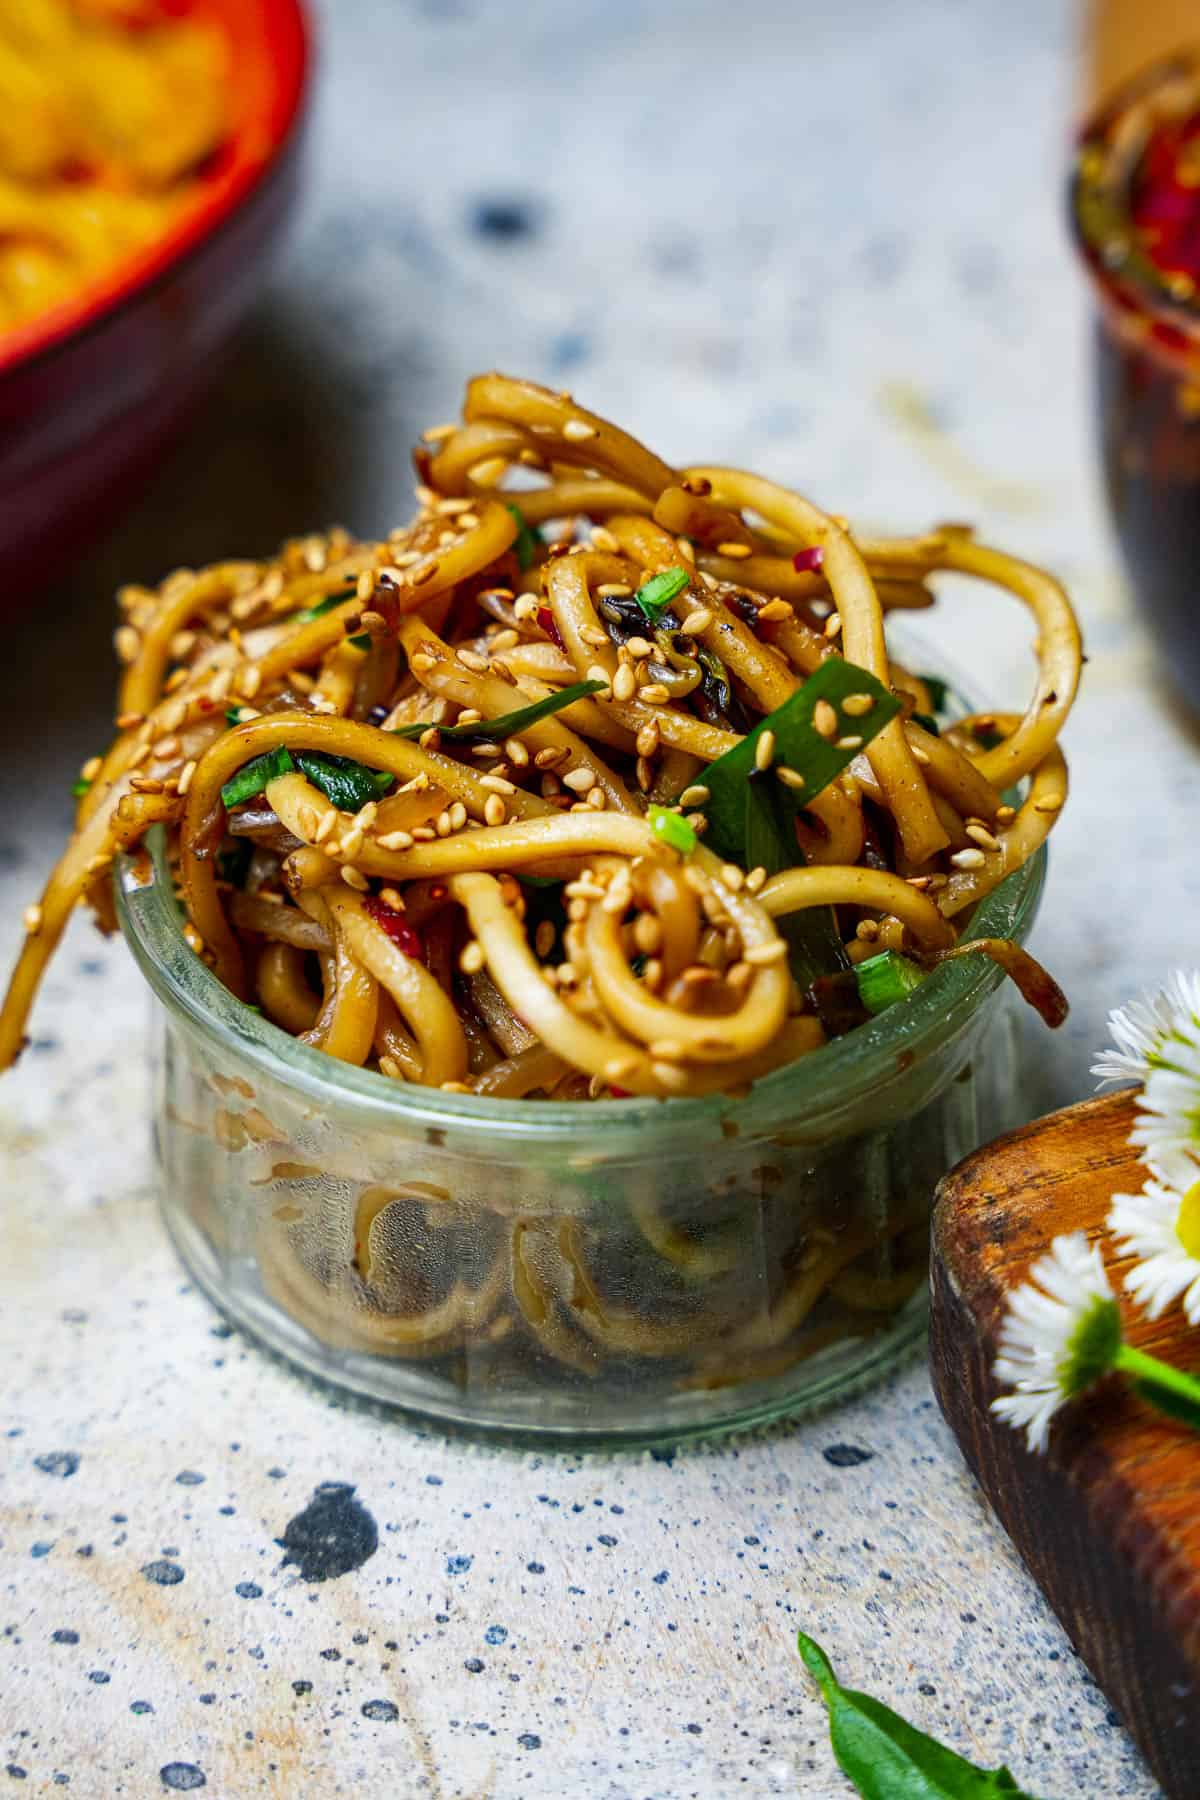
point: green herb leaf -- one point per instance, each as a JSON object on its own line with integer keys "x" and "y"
{"x": 253, "y": 777}
{"x": 236, "y": 715}
{"x": 508, "y": 724}
{"x": 527, "y": 542}
{"x": 739, "y": 818}
{"x": 929, "y": 722}
{"x": 323, "y": 606}
{"x": 362, "y": 642}
{"x": 81, "y": 787}
{"x": 939, "y": 691}
{"x": 884, "y": 979}
{"x": 348, "y": 784}
{"x": 887, "y": 1758}
{"x": 233, "y": 862}
{"x": 655, "y": 596}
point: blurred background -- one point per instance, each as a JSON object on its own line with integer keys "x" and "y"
{"x": 827, "y": 239}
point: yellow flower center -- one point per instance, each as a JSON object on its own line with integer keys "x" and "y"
{"x": 1187, "y": 1226}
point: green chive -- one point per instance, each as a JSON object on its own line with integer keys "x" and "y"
{"x": 323, "y": 606}
{"x": 882, "y": 980}
{"x": 673, "y": 829}
{"x": 508, "y": 724}
{"x": 80, "y": 788}
{"x": 527, "y": 542}
{"x": 362, "y": 642}
{"x": 349, "y": 785}
{"x": 253, "y": 777}
{"x": 656, "y": 595}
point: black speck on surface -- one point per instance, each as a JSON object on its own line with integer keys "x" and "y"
{"x": 927, "y": 1688}
{"x": 163, "y": 1573}
{"x": 57, "y": 1462}
{"x": 694, "y": 1729}
{"x": 529, "y": 1740}
{"x": 505, "y": 218}
{"x": 64, "y": 1636}
{"x": 140, "y": 1707}
{"x": 383, "y": 1712}
{"x": 536, "y": 1568}
{"x": 331, "y": 1656}
{"x": 248, "y": 1590}
{"x": 302, "y": 1687}
{"x": 189, "y": 1478}
{"x": 276, "y": 1474}
{"x": 845, "y": 1456}
{"x": 100, "y": 1677}
{"x": 15, "y": 1770}
{"x": 182, "y": 1778}
{"x": 473, "y": 1665}
{"x": 663, "y": 1456}
{"x": 332, "y": 1536}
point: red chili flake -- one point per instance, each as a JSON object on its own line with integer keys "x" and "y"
{"x": 806, "y": 562}
{"x": 545, "y": 619}
{"x": 396, "y": 926}
{"x": 619, "y": 1093}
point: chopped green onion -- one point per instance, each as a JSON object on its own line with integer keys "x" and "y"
{"x": 939, "y": 691}
{"x": 362, "y": 642}
{"x": 882, "y": 980}
{"x": 508, "y": 724}
{"x": 323, "y": 606}
{"x": 233, "y": 715}
{"x": 655, "y": 596}
{"x": 253, "y": 777}
{"x": 673, "y": 829}
{"x": 348, "y": 784}
{"x": 80, "y": 788}
{"x": 527, "y": 542}
{"x": 929, "y": 722}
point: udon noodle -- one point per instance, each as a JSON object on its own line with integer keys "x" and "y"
{"x": 465, "y": 805}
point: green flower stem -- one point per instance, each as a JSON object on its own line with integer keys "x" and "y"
{"x": 1152, "y": 1372}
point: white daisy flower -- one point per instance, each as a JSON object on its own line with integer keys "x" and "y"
{"x": 1161, "y": 1227}
{"x": 1149, "y": 1033}
{"x": 1167, "y": 1131}
{"x": 1057, "y": 1338}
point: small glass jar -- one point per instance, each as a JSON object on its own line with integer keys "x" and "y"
{"x": 1135, "y": 209}
{"x": 605, "y": 1272}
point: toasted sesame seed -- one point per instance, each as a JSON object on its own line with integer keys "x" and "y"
{"x": 618, "y": 1069}
{"x": 525, "y": 608}
{"x": 593, "y": 635}
{"x": 597, "y": 799}
{"x": 732, "y": 876}
{"x": 867, "y": 930}
{"x": 791, "y": 778}
{"x": 764, "y": 749}
{"x": 355, "y": 879}
{"x": 697, "y": 622}
{"x": 598, "y": 673}
{"x": 494, "y": 810}
{"x": 654, "y": 694}
{"x": 127, "y": 643}
{"x": 366, "y": 815}
{"x": 577, "y": 431}
{"x": 919, "y": 755}
{"x": 419, "y": 577}
{"x": 325, "y": 825}
{"x": 478, "y": 665}
{"x": 580, "y": 780}
{"x": 825, "y": 719}
{"x": 91, "y": 768}
{"x": 983, "y": 837}
{"x": 472, "y": 959}
{"x": 249, "y": 682}
{"x": 833, "y": 625}
{"x": 543, "y": 937}
{"x": 854, "y": 742}
{"x": 762, "y": 955}
{"x": 733, "y": 550}
{"x": 423, "y": 834}
{"x": 968, "y": 859}
{"x": 568, "y": 974}
{"x": 755, "y": 879}
{"x": 185, "y": 778}
{"x": 31, "y": 918}
{"x": 352, "y": 842}
{"x": 166, "y": 747}
{"x": 470, "y": 715}
{"x": 146, "y": 784}
{"x": 430, "y": 739}
{"x": 686, "y": 550}
{"x": 667, "y": 1050}
{"x": 649, "y": 738}
{"x": 775, "y": 612}
{"x": 696, "y": 795}
{"x": 612, "y": 590}
{"x": 920, "y": 882}
{"x": 488, "y": 472}
{"x": 436, "y": 433}
{"x": 1005, "y": 815}
{"x": 457, "y": 814}
{"x": 1052, "y": 803}
{"x": 645, "y": 774}
{"x": 623, "y": 683}
{"x": 496, "y": 784}
{"x": 603, "y": 539}
{"x": 393, "y": 840}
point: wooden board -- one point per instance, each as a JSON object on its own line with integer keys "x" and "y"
{"x": 1108, "y": 1522}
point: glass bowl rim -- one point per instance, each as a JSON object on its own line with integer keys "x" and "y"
{"x": 1137, "y": 283}
{"x": 819, "y": 1089}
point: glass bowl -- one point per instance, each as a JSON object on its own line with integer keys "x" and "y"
{"x": 605, "y": 1272}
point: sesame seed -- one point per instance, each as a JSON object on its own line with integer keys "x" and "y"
{"x": 919, "y": 755}
{"x": 325, "y": 825}
{"x": 185, "y": 778}
{"x": 497, "y": 784}
{"x": 763, "y": 955}
{"x": 597, "y": 799}
{"x": 983, "y": 837}
{"x": 525, "y": 608}
{"x": 543, "y": 940}
{"x": 968, "y": 859}
{"x": 577, "y": 431}
{"x": 774, "y": 612}
{"x": 825, "y": 719}
{"x": 1052, "y": 803}
{"x": 472, "y": 959}
{"x": 355, "y": 879}
{"x": 127, "y": 643}
{"x": 833, "y": 625}
{"x": 645, "y": 774}
{"x": 552, "y": 757}
{"x": 580, "y": 780}
{"x": 791, "y": 778}
{"x": 1005, "y": 815}
{"x": 654, "y": 694}
{"x": 391, "y": 840}
{"x": 867, "y": 930}
{"x": 612, "y": 590}
{"x": 478, "y": 665}
{"x": 423, "y": 834}
{"x": 686, "y": 550}
{"x": 249, "y": 682}
{"x": 598, "y": 673}
{"x": 488, "y": 472}
{"x": 667, "y": 1050}
{"x": 696, "y": 795}
{"x": 352, "y": 842}
{"x": 91, "y": 768}
{"x": 494, "y": 810}
{"x": 420, "y": 662}
{"x": 848, "y": 743}
{"x": 127, "y": 720}
{"x": 639, "y": 648}
{"x": 648, "y": 738}
{"x": 623, "y": 683}
{"x": 146, "y": 784}
{"x": 732, "y": 876}
{"x": 697, "y": 622}
{"x": 457, "y": 815}
{"x": 755, "y": 879}
{"x": 31, "y": 918}
{"x": 733, "y": 550}
{"x": 857, "y": 704}
{"x": 764, "y": 749}
{"x": 420, "y": 576}
{"x": 593, "y": 635}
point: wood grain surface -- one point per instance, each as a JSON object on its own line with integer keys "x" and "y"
{"x": 1108, "y": 1521}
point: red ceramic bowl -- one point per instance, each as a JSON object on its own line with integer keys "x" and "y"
{"x": 92, "y": 390}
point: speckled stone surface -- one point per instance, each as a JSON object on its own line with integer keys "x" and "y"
{"x": 789, "y": 234}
